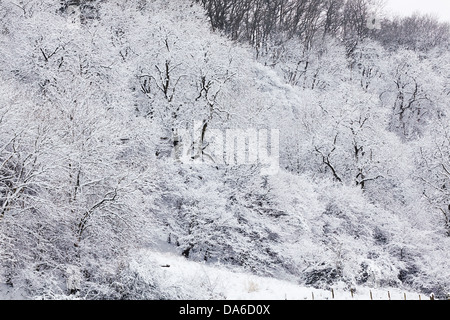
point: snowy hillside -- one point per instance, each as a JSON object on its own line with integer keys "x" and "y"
{"x": 273, "y": 158}
{"x": 179, "y": 278}
{"x": 221, "y": 283}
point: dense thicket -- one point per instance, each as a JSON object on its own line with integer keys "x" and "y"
{"x": 262, "y": 23}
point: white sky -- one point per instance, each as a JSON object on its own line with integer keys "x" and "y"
{"x": 441, "y": 8}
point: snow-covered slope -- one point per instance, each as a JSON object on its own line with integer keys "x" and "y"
{"x": 192, "y": 280}
{"x": 180, "y": 278}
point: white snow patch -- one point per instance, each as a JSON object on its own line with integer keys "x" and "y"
{"x": 234, "y": 285}
{"x": 8, "y": 293}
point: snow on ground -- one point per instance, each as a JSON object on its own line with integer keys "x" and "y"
{"x": 196, "y": 280}
{"x": 8, "y": 293}
{"x": 231, "y": 285}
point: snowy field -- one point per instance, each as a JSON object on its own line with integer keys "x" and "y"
{"x": 212, "y": 281}
{"x": 231, "y": 285}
